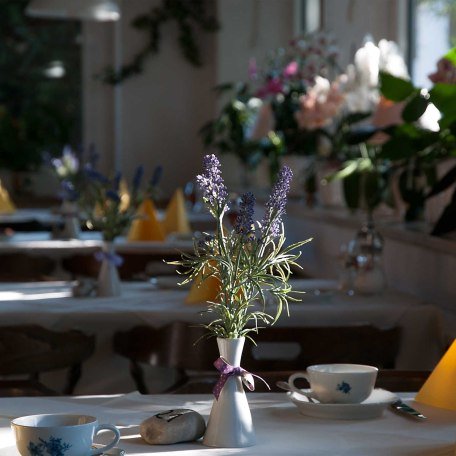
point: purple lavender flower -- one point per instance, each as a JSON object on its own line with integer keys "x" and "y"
{"x": 275, "y": 207}
{"x": 137, "y": 178}
{"x": 244, "y": 221}
{"x": 68, "y": 192}
{"x": 96, "y": 176}
{"x": 211, "y": 183}
{"x": 113, "y": 196}
{"x": 156, "y": 176}
{"x": 116, "y": 181}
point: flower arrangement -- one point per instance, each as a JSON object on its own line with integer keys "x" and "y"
{"x": 355, "y": 137}
{"x": 259, "y": 121}
{"x": 286, "y": 82}
{"x": 416, "y": 146}
{"x": 108, "y": 208}
{"x": 248, "y": 261}
{"x": 69, "y": 169}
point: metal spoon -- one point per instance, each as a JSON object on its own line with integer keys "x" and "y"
{"x": 285, "y": 386}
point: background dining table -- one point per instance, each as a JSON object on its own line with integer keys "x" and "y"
{"x": 280, "y": 428}
{"x": 160, "y": 301}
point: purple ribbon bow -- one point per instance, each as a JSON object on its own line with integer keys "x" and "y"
{"x": 112, "y": 258}
{"x": 227, "y": 370}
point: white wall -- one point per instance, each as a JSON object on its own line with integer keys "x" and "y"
{"x": 351, "y": 20}
{"x": 160, "y": 111}
{"x": 250, "y": 28}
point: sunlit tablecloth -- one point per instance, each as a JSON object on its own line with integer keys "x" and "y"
{"x": 280, "y": 429}
{"x": 50, "y": 305}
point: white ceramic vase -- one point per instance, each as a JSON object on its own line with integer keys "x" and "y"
{"x": 108, "y": 277}
{"x": 71, "y": 225}
{"x": 230, "y": 422}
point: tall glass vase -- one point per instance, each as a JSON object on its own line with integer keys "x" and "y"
{"x": 108, "y": 277}
{"x": 230, "y": 422}
{"x": 365, "y": 252}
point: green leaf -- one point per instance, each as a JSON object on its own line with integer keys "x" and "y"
{"x": 444, "y": 98}
{"x": 351, "y": 190}
{"x": 415, "y": 108}
{"x": 451, "y": 56}
{"x": 395, "y": 89}
{"x": 397, "y": 148}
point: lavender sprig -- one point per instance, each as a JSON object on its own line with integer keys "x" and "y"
{"x": 215, "y": 193}
{"x": 275, "y": 207}
{"x": 139, "y": 173}
{"x": 68, "y": 191}
{"x": 246, "y": 267}
{"x": 244, "y": 224}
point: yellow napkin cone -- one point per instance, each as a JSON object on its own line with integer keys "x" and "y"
{"x": 6, "y": 205}
{"x": 203, "y": 291}
{"x": 146, "y": 227}
{"x": 439, "y": 390}
{"x": 176, "y": 220}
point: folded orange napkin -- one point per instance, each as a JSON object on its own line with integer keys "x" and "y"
{"x": 203, "y": 291}
{"x": 176, "y": 220}
{"x": 439, "y": 390}
{"x": 146, "y": 227}
{"x": 6, "y": 205}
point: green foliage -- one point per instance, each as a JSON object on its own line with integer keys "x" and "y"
{"x": 104, "y": 206}
{"x": 451, "y": 55}
{"x": 187, "y": 14}
{"x": 415, "y": 108}
{"x": 418, "y": 151}
{"x": 394, "y": 88}
{"x": 227, "y": 133}
{"x": 36, "y": 113}
{"x": 444, "y": 98}
{"x": 247, "y": 271}
{"x": 249, "y": 266}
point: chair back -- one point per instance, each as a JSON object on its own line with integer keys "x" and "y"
{"x": 184, "y": 347}
{"x": 31, "y": 350}
{"x": 294, "y": 348}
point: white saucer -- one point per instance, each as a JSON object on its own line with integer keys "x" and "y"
{"x": 372, "y": 407}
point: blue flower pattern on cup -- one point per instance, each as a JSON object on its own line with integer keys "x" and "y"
{"x": 344, "y": 387}
{"x": 53, "y": 447}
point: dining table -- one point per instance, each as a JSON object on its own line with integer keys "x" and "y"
{"x": 161, "y": 300}
{"x": 280, "y": 428}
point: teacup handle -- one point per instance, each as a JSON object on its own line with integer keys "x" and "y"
{"x": 292, "y": 379}
{"x": 114, "y": 441}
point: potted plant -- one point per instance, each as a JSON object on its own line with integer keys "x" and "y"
{"x": 249, "y": 261}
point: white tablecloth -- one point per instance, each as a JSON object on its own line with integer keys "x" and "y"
{"x": 40, "y": 243}
{"x": 280, "y": 429}
{"x": 142, "y": 303}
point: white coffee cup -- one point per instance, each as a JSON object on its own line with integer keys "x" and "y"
{"x": 338, "y": 383}
{"x": 69, "y": 435}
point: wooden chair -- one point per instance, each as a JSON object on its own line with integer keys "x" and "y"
{"x": 278, "y": 349}
{"x": 29, "y": 350}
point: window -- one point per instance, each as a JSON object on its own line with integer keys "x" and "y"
{"x": 432, "y": 34}
{"x": 40, "y": 86}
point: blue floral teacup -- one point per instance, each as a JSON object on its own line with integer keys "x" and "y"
{"x": 338, "y": 383}
{"x": 59, "y": 435}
